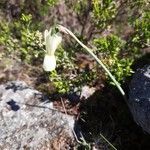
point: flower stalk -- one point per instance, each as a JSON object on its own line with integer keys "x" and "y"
{"x": 65, "y": 30}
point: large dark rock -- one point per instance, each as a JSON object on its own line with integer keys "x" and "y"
{"x": 29, "y": 121}
{"x": 139, "y": 97}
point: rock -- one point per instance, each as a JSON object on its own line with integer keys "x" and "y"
{"x": 87, "y": 91}
{"x": 139, "y": 98}
{"x": 29, "y": 121}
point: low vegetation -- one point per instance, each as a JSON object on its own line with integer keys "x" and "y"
{"x": 117, "y": 32}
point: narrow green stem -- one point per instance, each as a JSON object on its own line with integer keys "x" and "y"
{"x": 108, "y": 142}
{"x": 65, "y": 30}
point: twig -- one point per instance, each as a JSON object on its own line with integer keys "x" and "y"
{"x": 67, "y": 114}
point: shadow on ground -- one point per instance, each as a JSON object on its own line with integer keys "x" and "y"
{"x": 107, "y": 113}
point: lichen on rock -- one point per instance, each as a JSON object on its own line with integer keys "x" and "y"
{"x": 29, "y": 121}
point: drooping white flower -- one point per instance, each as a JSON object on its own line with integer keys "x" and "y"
{"x": 49, "y": 63}
{"x": 52, "y": 41}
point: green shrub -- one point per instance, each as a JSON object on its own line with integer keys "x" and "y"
{"x": 104, "y": 12}
{"x": 22, "y": 39}
{"x": 110, "y": 52}
{"x": 141, "y": 37}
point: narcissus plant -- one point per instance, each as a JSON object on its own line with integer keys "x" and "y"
{"x": 53, "y": 39}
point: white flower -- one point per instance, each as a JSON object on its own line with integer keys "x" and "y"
{"x": 52, "y": 41}
{"x": 49, "y": 63}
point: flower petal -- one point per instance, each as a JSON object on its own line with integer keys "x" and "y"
{"x": 49, "y": 63}
{"x": 52, "y": 42}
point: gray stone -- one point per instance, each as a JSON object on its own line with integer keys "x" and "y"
{"x": 87, "y": 91}
{"x": 29, "y": 121}
{"x": 139, "y": 97}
